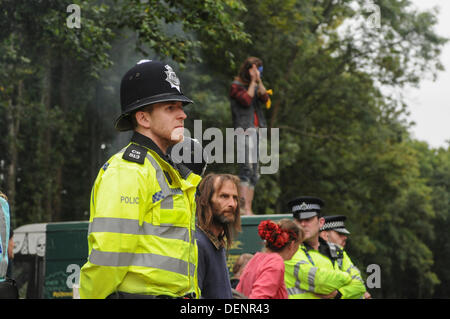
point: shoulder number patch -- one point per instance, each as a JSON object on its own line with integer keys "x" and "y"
{"x": 135, "y": 153}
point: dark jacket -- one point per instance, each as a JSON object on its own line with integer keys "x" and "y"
{"x": 242, "y": 114}
{"x": 213, "y": 278}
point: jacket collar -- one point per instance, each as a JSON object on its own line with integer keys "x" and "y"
{"x": 147, "y": 142}
{"x": 324, "y": 249}
{"x": 218, "y": 242}
{"x": 322, "y": 245}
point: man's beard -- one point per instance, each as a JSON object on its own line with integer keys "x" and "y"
{"x": 219, "y": 217}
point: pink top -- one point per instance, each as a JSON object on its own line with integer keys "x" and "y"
{"x": 263, "y": 277}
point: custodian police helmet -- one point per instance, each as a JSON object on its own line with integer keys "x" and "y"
{"x": 148, "y": 82}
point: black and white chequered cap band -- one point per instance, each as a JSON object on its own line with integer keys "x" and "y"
{"x": 332, "y": 225}
{"x": 337, "y": 226}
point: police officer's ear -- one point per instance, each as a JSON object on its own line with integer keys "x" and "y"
{"x": 321, "y": 222}
{"x": 324, "y": 235}
{"x": 142, "y": 117}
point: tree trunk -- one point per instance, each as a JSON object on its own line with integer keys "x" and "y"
{"x": 45, "y": 145}
{"x": 13, "y": 122}
{"x": 63, "y": 91}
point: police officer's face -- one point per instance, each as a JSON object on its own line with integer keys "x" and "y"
{"x": 337, "y": 238}
{"x": 165, "y": 122}
{"x": 310, "y": 226}
{"x": 224, "y": 202}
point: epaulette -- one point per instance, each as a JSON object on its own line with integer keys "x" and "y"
{"x": 135, "y": 153}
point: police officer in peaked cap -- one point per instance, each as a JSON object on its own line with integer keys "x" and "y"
{"x": 333, "y": 230}
{"x": 139, "y": 193}
{"x": 316, "y": 270}
{"x": 305, "y": 207}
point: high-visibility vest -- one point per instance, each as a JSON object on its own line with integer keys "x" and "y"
{"x": 142, "y": 229}
{"x": 4, "y": 237}
{"x": 309, "y": 272}
{"x": 352, "y": 291}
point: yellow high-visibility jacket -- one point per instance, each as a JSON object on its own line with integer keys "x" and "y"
{"x": 142, "y": 226}
{"x": 322, "y": 271}
{"x": 352, "y": 291}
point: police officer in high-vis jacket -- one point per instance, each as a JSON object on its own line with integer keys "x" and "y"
{"x": 334, "y": 231}
{"x": 142, "y": 219}
{"x": 315, "y": 270}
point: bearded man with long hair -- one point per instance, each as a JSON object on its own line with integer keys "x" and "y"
{"x": 218, "y": 221}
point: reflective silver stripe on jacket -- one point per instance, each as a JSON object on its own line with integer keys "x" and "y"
{"x": 115, "y": 259}
{"x": 296, "y": 275}
{"x": 131, "y": 226}
{"x": 352, "y": 267}
{"x": 4, "y": 243}
{"x": 358, "y": 278}
{"x": 355, "y": 276}
{"x": 167, "y": 192}
{"x": 311, "y": 278}
{"x": 296, "y": 291}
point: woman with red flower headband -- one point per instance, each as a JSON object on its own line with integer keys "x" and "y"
{"x": 263, "y": 276}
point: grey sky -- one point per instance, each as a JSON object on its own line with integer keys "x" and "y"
{"x": 430, "y": 103}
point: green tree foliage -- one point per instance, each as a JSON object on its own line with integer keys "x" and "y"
{"x": 342, "y": 136}
{"x": 435, "y": 169}
{"x": 46, "y": 111}
{"x": 170, "y": 27}
{"x": 51, "y": 88}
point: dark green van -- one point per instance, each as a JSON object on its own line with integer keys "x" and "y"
{"x": 48, "y": 256}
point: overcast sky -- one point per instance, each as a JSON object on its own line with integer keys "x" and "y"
{"x": 430, "y": 104}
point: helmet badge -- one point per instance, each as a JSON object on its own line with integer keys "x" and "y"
{"x": 172, "y": 78}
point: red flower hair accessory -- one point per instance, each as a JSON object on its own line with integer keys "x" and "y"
{"x": 266, "y": 228}
{"x": 273, "y": 234}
